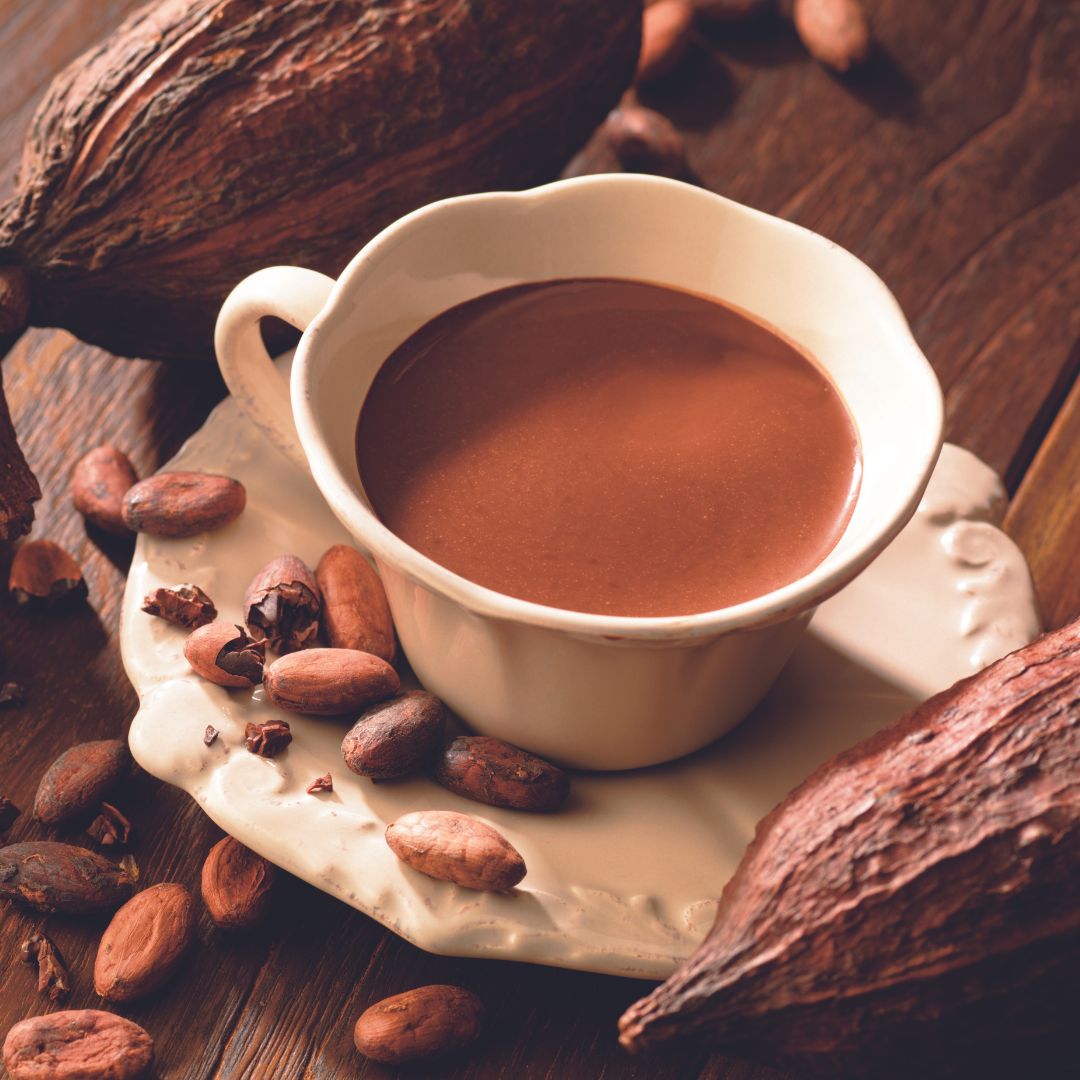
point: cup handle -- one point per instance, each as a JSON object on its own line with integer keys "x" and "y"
{"x": 293, "y": 294}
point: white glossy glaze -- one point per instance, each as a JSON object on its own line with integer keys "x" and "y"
{"x": 624, "y": 880}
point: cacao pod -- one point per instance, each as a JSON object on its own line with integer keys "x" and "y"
{"x": 205, "y": 139}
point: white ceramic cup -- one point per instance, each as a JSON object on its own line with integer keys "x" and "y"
{"x": 589, "y": 691}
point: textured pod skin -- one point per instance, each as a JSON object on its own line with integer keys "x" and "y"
{"x": 99, "y": 483}
{"x": 913, "y": 908}
{"x": 61, "y": 878}
{"x": 144, "y": 943}
{"x": 495, "y": 772}
{"x": 329, "y": 682}
{"x": 456, "y": 848}
{"x": 356, "y": 614}
{"x": 78, "y": 1044}
{"x": 419, "y": 1025}
{"x": 179, "y": 504}
{"x": 382, "y": 108}
{"x": 395, "y": 738}
{"x": 236, "y": 885}
{"x": 79, "y": 779}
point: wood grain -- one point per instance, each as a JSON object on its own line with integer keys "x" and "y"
{"x": 950, "y": 165}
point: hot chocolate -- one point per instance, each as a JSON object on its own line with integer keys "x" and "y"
{"x": 609, "y": 446}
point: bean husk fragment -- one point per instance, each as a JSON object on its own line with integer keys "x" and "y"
{"x": 99, "y": 483}
{"x": 78, "y": 1044}
{"x": 53, "y": 877}
{"x": 282, "y": 605}
{"x": 269, "y": 739}
{"x": 181, "y": 504}
{"x": 43, "y": 574}
{"x": 396, "y": 737}
{"x": 457, "y": 848}
{"x": 144, "y": 943}
{"x": 53, "y": 980}
{"x": 913, "y": 908}
{"x": 423, "y": 1024}
{"x": 79, "y": 779}
{"x": 495, "y": 772}
{"x": 356, "y": 614}
{"x": 110, "y": 828}
{"x": 237, "y": 885}
{"x": 182, "y": 605}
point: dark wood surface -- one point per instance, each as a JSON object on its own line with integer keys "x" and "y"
{"x": 950, "y": 165}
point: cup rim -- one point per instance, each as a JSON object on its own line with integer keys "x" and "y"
{"x": 778, "y": 605}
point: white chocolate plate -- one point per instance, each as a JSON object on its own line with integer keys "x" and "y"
{"x": 624, "y": 880}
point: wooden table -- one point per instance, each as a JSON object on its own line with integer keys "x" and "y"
{"x": 950, "y": 166}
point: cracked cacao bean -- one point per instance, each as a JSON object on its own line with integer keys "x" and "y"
{"x": 44, "y": 574}
{"x": 282, "y": 605}
{"x": 79, "y": 779}
{"x": 329, "y": 682}
{"x": 53, "y": 877}
{"x": 179, "y": 504}
{"x": 237, "y": 885}
{"x": 495, "y": 772}
{"x": 356, "y": 614}
{"x": 396, "y": 737}
{"x": 222, "y": 653}
{"x": 99, "y": 483}
{"x": 182, "y": 605}
{"x": 419, "y": 1025}
{"x": 77, "y": 1044}
{"x": 457, "y": 848}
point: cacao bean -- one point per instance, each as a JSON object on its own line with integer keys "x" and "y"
{"x": 145, "y": 942}
{"x": 53, "y": 980}
{"x": 419, "y": 1025}
{"x": 396, "y": 737}
{"x": 54, "y": 877}
{"x": 666, "y": 31}
{"x": 99, "y": 483}
{"x": 79, "y": 779}
{"x": 329, "y": 682}
{"x": 43, "y": 574}
{"x": 644, "y": 141}
{"x": 495, "y": 772}
{"x": 356, "y": 614}
{"x": 913, "y": 908}
{"x": 237, "y": 885}
{"x": 282, "y": 605}
{"x": 78, "y": 1044}
{"x": 181, "y": 605}
{"x": 457, "y": 848}
{"x": 180, "y": 504}
{"x": 834, "y": 32}
{"x": 269, "y": 739}
{"x": 223, "y": 654}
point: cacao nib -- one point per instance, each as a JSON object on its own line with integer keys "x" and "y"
{"x": 210, "y": 735}
{"x": 181, "y": 605}
{"x": 269, "y": 739}
{"x": 321, "y": 783}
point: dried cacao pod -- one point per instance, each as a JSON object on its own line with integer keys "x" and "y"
{"x": 913, "y": 908}
{"x": 205, "y": 139}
